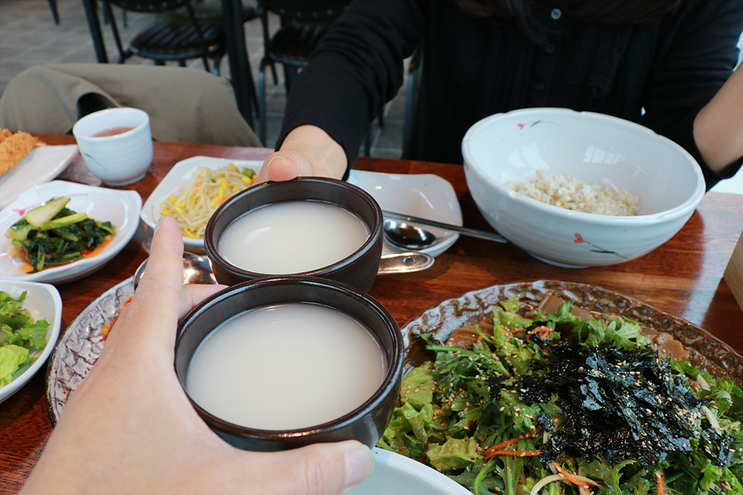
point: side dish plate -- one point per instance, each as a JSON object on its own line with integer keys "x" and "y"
{"x": 177, "y": 179}
{"x": 44, "y": 303}
{"x": 421, "y": 195}
{"x": 41, "y": 165}
{"x": 121, "y": 208}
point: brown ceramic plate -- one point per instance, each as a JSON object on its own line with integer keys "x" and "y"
{"x": 80, "y": 346}
{"x": 706, "y": 350}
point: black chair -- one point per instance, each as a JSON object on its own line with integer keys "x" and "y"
{"x": 302, "y": 24}
{"x": 169, "y": 41}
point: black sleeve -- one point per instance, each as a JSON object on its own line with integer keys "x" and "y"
{"x": 696, "y": 56}
{"x": 355, "y": 70}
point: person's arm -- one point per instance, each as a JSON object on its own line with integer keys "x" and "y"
{"x": 130, "y": 429}
{"x": 718, "y": 128}
{"x": 356, "y": 68}
{"x": 695, "y": 55}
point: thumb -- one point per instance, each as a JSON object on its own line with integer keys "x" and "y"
{"x": 283, "y": 166}
{"x": 318, "y": 469}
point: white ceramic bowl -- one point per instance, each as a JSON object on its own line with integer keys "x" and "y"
{"x": 121, "y": 208}
{"x": 44, "y": 303}
{"x": 395, "y": 474}
{"x": 511, "y": 147}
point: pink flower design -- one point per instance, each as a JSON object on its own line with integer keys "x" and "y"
{"x": 20, "y": 211}
{"x": 578, "y": 239}
{"x": 521, "y": 126}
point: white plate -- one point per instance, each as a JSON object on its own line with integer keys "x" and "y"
{"x": 395, "y": 474}
{"x": 43, "y": 164}
{"x": 44, "y": 303}
{"x": 424, "y": 195}
{"x": 121, "y": 208}
{"x": 178, "y": 178}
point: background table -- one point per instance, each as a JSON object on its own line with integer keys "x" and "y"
{"x": 684, "y": 277}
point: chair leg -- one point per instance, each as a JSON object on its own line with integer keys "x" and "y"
{"x": 216, "y": 65}
{"x": 262, "y": 102}
{"x": 55, "y": 11}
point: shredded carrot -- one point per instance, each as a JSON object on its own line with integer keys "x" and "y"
{"x": 660, "y": 482}
{"x": 571, "y": 478}
{"x": 514, "y": 453}
{"x": 542, "y": 331}
{"x": 511, "y": 441}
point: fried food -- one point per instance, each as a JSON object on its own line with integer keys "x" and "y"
{"x": 14, "y": 147}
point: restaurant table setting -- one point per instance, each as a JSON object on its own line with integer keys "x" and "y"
{"x": 677, "y": 287}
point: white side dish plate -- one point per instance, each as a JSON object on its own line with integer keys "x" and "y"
{"x": 43, "y": 164}
{"x": 177, "y": 179}
{"x": 395, "y": 474}
{"x": 44, "y": 303}
{"x": 421, "y": 195}
{"x": 121, "y": 208}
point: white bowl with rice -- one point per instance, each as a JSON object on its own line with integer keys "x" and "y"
{"x": 555, "y": 155}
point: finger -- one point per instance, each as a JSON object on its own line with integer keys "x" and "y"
{"x": 319, "y": 469}
{"x": 194, "y": 294}
{"x": 152, "y": 316}
{"x": 280, "y": 167}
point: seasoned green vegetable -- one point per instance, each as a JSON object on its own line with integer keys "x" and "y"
{"x": 555, "y": 404}
{"x": 53, "y": 235}
{"x": 20, "y": 337}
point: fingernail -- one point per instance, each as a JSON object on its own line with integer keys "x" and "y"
{"x": 359, "y": 466}
{"x": 275, "y": 157}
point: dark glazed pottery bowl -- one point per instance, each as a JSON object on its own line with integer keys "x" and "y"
{"x": 359, "y": 269}
{"x": 366, "y": 423}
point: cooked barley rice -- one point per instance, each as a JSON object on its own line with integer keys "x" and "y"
{"x": 571, "y": 193}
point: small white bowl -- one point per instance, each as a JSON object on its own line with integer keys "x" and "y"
{"x": 44, "y": 303}
{"x": 511, "y": 147}
{"x": 176, "y": 179}
{"x": 121, "y": 208}
{"x": 397, "y": 474}
{"x": 421, "y": 195}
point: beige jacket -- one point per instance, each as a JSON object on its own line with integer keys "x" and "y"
{"x": 185, "y": 105}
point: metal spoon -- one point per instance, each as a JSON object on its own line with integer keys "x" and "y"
{"x": 196, "y": 270}
{"x": 398, "y": 229}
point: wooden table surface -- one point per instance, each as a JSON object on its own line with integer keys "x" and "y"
{"x": 683, "y": 277}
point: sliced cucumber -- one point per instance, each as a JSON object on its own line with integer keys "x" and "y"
{"x": 64, "y": 221}
{"x": 19, "y": 230}
{"x": 46, "y": 212}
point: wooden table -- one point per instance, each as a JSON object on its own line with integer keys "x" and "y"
{"x": 683, "y": 277}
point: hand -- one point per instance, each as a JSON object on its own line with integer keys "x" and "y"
{"x": 307, "y": 151}
{"x": 129, "y": 427}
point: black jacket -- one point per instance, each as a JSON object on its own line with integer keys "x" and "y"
{"x": 657, "y": 73}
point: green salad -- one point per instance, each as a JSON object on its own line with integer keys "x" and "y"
{"x": 20, "y": 337}
{"x": 557, "y": 404}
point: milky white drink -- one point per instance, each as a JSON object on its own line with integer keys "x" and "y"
{"x": 292, "y": 237}
{"x": 286, "y": 367}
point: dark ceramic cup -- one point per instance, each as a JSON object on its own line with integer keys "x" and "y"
{"x": 365, "y": 424}
{"x": 359, "y": 269}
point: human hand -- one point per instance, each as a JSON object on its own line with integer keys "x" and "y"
{"x": 306, "y": 151}
{"x": 129, "y": 427}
